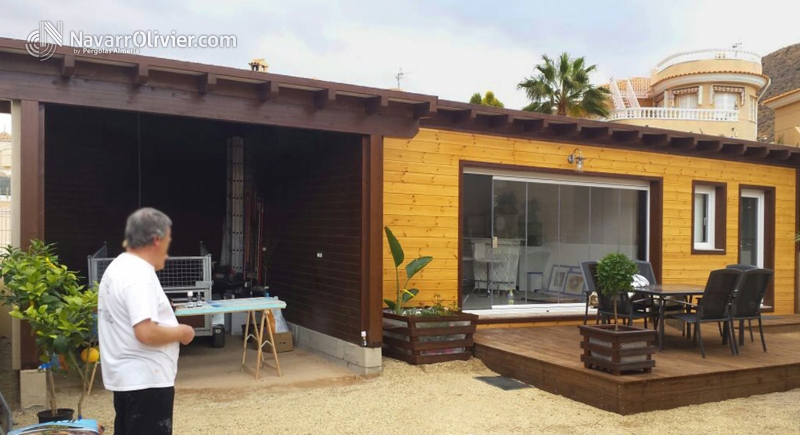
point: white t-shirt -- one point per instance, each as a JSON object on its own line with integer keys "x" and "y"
{"x": 130, "y": 293}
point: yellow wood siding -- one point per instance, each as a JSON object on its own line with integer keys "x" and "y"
{"x": 421, "y": 203}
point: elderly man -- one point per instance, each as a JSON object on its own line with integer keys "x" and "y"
{"x": 139, "y": 333}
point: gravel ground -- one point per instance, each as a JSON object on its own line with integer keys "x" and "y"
{"x": 9, "y": 379}
{"x": 441, "y": 399}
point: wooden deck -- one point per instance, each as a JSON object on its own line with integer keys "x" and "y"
{"x": 549, "y": 358}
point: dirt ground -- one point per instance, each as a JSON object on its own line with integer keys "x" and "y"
{"x": 439, "y": 399}
{"x": 9, "y": 379}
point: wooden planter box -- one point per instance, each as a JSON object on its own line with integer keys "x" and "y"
{"x": 625, "y": 350}
{"x": 428, "y": 339}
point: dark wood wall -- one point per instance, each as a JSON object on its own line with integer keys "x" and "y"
{"x": 310, "y": 181}
{"x": 93, "y": 178}
{"x": 312, "y": 187}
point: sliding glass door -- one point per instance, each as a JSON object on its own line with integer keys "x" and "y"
{"x": 523, "y": 237}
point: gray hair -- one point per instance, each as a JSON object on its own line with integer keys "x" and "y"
{"x": 144, "y": 226}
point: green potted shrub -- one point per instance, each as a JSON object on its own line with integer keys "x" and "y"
{"x": 617, "y": 348}
{"x": 60, "y": 311}
{"x": 423, "y": 335}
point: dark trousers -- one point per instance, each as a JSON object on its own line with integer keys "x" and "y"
{"x": 144, "y": 411}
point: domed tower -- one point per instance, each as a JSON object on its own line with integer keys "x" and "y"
{"x": 713, "y": 92}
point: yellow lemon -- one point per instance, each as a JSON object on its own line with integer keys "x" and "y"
{"x": 90, "y": 355}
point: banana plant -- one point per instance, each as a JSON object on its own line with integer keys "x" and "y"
{"x": 404, "y": 294}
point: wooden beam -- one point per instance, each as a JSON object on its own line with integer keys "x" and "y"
{"x": 563, "y": 129}
{"x": 372, "y": 239}
{"x": 207, "y": 83}
{"x": 709, "y": 146}
{"x": 794, "y": 159}
{"x": 291, "y": 111}
{"x": 781, "y": 155}
{"x": 461, "y": 116}
{"x": 424, "y": 110}
{"x": 31, "y": 137}
{"x": 756, "y": 152}
{"x": 626, "y": 136}
{"x": 374, "y": 105}
{"x": 5, "y": 106}
{"x": 141, "y": 74}
{"x": 31, "y": 203}
{"x": 528, "y": 125}
{"x": 268, "y": 90}
{"x": 593, "y": 132}
{"x": 655, "y": 140}
{"x": 323, "y": 97}
{"x": 733, "y": 149}
{"x": 68, "y": 66}
{"x": 496, "y": 121}
{"x": 683, "y": 142}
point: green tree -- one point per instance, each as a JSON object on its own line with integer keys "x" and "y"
{"x": 487, "y": 100}
{"x": 562, "y": 87}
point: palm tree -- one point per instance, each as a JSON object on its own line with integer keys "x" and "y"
{"x": 487, "y": 100}
{"x": 563, "y": 88}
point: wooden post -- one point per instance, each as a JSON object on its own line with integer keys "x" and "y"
{"x": 27, "y": 207}
{"x": 372, "y": 239}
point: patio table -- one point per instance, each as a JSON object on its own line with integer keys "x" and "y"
{"x": 661, "y": 291}
{"x": 251, "y": 306}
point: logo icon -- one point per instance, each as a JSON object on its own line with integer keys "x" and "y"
{"x": 42, "y": 43}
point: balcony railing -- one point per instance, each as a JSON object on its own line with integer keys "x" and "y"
{"x": 675, "y": 114}
{"x": 725, "y": 53}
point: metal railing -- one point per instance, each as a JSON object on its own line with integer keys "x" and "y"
{"x": 616, "y": 95}
{"x": 675, "y": 113}
{"x": 711, "y": 54}
{"x": 630, "y": 93}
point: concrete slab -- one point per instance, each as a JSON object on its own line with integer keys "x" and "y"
{"x": 203, "y": 367}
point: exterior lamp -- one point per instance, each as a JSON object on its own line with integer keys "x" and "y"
{"x": 577, "y": 158}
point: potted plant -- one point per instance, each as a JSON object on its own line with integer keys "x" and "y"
{"x": 427, "y": 334}
{"x": 60, "y": 311}
{"x": 617, "y": 348}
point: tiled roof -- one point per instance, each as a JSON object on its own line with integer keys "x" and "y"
{"x": 777, "y": 97}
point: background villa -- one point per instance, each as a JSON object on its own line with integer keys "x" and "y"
{"x": 713, "y": 92}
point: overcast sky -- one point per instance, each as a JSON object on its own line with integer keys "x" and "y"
{"x": 449, "y": 48}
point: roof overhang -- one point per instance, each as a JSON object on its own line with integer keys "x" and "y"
{"x": 179, "y": 88}
{"x": 782, "y": 100}
{"x": 172, "y": 87}
{"x": 456, "y": 116}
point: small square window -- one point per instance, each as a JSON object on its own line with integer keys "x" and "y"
{"x": 708, "y": 218}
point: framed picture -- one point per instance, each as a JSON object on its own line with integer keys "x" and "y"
{"x": 574, "y": 283}
{"x": 558, "y": 278}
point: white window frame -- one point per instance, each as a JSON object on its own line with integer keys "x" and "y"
{"x": 758, "y": 195}
{"x": 753, "y": 109}
{"x": 710, "y": 218}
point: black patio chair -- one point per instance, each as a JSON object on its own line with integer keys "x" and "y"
{"x": 742, "y": 267}
{"x": 625, "y": 305}
{"x": 589, "y": 273}
{"x": 646, "y": 270}
{"x": 714, "y": 306}
{"x": 747, "y": 303}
